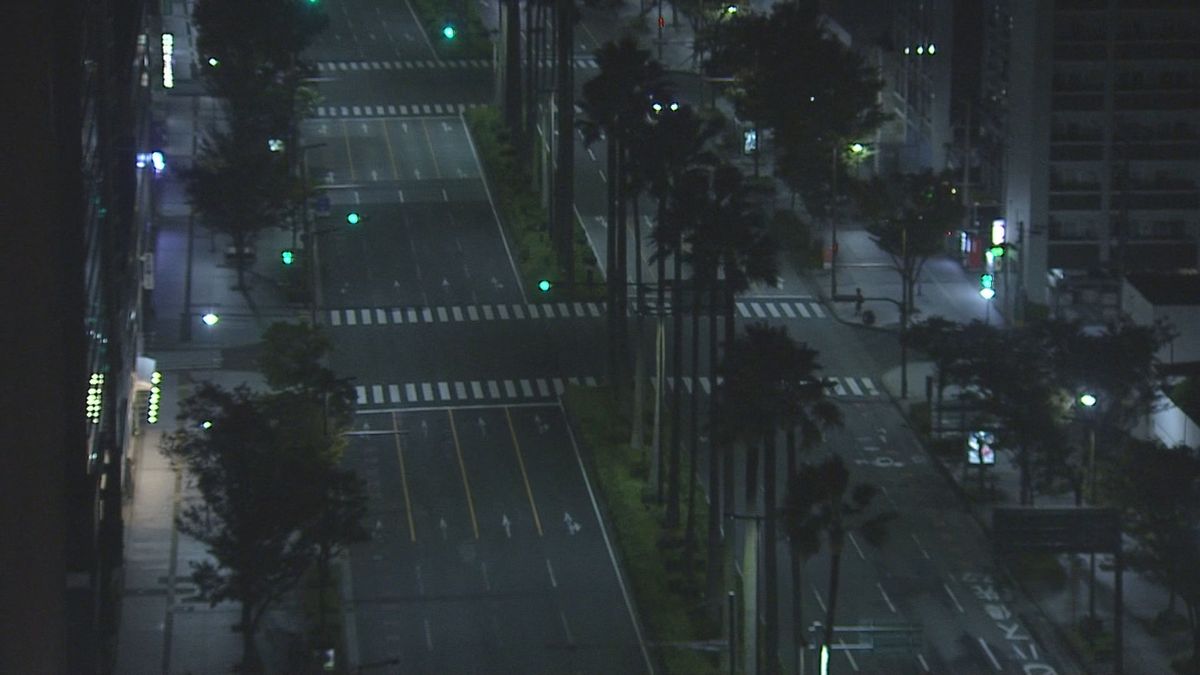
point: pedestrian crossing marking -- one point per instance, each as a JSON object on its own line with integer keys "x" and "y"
{"x": 493, "y": 389}
{"x": 377, "y": 393}
{"x": 558, "y": 310}
{"x": 510, "y": 388}
{"x": 839, "y": 386}
{"x": 543, "y": 388}
{"x": 427, "y": 389}
{"x": 460, "y": 390}
{"x": 410, "y": 390}
{"x": 444, "y": 390}
{"x": 526, "y": 388}
{"x": 361, "y": 393}
{"x": 393, "y": 393}
{"x": 476, "y": 389}
{"x": 393, "y": 110}
{"x": 853, "y": 386}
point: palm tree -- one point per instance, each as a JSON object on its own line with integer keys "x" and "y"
{"x": 771, "y": 385}
{"x": 614, "y": 105}
{"x": 815, "y": 508}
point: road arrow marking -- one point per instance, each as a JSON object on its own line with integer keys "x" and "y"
{"x": 496, "y": 284}
{"x": 507, "y": 524}
{"x": 424, "y": 428}
{"x": 442, "y": 527}
{"x": 445, "y": 284}
{"x": 445, "y": 126}
{"x": 573, "y": 527}
{"x": 482, "y": 427}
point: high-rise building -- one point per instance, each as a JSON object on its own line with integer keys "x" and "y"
{"x": 70, "y": 242}
{"x": 911, "y": 43}
{"x": 1103, "y": 152}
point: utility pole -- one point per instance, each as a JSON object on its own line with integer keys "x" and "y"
{"x": 833, "y": 247}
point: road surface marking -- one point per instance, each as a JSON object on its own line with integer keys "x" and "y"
{"x": 838, "y": 389}
{"x": 758, "y": 311}
{"x": 550, "y": 569}
{"x": 427, "y": 315}
{"x": 871, "y": 390}
{"x": 510, "y": 389}
{"x": 487, "y": 313}
{"x": 924, "y": 665}
{"x": 457, "y": 312}
{"x": 366, "y": 316}
{"x": 412, "y": 316}
{"x": 428, "y": 636}
{"x": 412, "y": 531}
{"x": 543, "y": 387}
{"x": 397, "y": 316}
{"x": 818, "y": 311}
{"x": 856, "y": 546}
{"x": 393, "y": 393}
{"x": 362, "y": 394}
{"x": 527, "y": 388}
{"x": 559, "y": 387}
{"x": 519, "y": 311}
{"x": 442, "y": 316}
{"x": 802, "y": 310}
{"x": 427, "y": 390}
{"x": 566, "y": 627}
{"x": 820, "y": 602}
{"x": 503, "y": 310}
{"x": 587, "y": 483}
{"x": 593, "y": 309}
{"x": 493, "y": 389}
{"x": 533, "y": 311}
{"x": 463, "y": 468}
{"x": 537, "y": 521}
{"x": 954, "y": 598}
{"x": 410, "y": 392}
{"x": 992, "y": 657}
{"x": 787, "y": 310}
{"x": 772, "y": 309}
{"x": 853, "y": 386}
{"x": 351, "y": 318}
{"x": 335, "y": 317}
{"x": 377, "y": 393}
{"x": 444, "y": 390}
{"x": 886, "y": 598}
{"x": 349, "y": 155}
{"x": 476, "y": 389}
{"x": 849, "y": 654}
{"x": 922, "y": 548}
{"x": 460, "y": 390}
{"x": 472, "y": 313}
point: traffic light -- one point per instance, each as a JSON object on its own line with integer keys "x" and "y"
{"x": 449, "y": 31}
{"x": 353, "y": 218}
{"x": 997, "y": 251}
{"x": 987, "y": 284}
{"x": 544, "y": 285}
{"x": 287, "y": 256}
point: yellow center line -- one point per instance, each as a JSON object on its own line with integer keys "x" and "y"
{"x": 391, "y": 155}
{"x": 463, "y": 468}
{"x": 349, "y": 155}
{"x": 412, "y": 531}
{"x": 432, "y": 155}
{"x": 537, "y": 522}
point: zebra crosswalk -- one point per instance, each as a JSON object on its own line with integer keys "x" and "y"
{"x": 466, "y": 392}
{"x": 383, "y": 316}
{"x": 525, "y": 390}
{"x": 839, "y": 387}
{"x": 392, "y": 110}
{"x": 587, "y": 62}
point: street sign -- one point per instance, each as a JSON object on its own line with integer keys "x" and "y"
{"x": 979, "y": 448}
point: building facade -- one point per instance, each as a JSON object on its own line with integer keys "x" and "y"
{"x": 1103, "y": 152}
{"x": 72, "y": 266}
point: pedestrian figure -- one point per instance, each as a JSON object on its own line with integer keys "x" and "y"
{"x": 858, "y": 301}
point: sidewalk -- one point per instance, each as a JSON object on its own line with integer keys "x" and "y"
{"x": 164, "y": 628}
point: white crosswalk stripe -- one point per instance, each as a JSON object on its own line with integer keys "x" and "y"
{"x": 413, "y": 64}
{"x": 393, "y": 393}
{"x": 470, "y": 392}
{"x": 754, "y": 310}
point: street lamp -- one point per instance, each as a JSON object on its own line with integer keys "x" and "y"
{"x": 1088, "y": 401}
{"x": 210, "y": 319}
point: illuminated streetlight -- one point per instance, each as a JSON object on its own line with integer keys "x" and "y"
{"x": 1087, "y": 399}
{"x": 210, "y": 319}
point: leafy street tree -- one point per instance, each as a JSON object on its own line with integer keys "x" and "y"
{"x": 771, "y": 385}
{"x": 248, "y": 519}
{"x": 820, "y": 505}
{"x": 1158, "y": 490}
{"x": 908, "y": 217}
{"x": 237, "y": 186}
{"x": 292, "y": 360}
{"x": 793, "y": 77}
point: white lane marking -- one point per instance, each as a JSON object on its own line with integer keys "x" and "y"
{"x": 476, "y": 388}
{"x": 758, "y": 311}
{"x": 410, "y": 391}
{"x": 992, "y": 657}
{"x": 442, "y": 316}
{"x": 550, "y": 569}
{"x": 526, "y": 388}
{"x": 380, "y": 316}
{"x": 427, "y": 390}
{"x": 351, "y": 318}
{"x": 849, "y": 655}
{"x": 493, "y": 388}
{"x": 886, "y": 598}
{"x": 924, "y": 665}
{"x": 743, "y": 311}
{"x": 543, "y": 387}
{"x": 871, "y": 390}
{"x": 472, "y": 312}
{"x": 787, "y": 310}
{"x": 335, "y": 317}
{"x": 362, "y": 394}
{"x": 460, "y": 390}
{"x": 518, "y": 311}
{"x": 397, "y": 316}
{"x": 502, "y": 310}
{"x": 818, "y": 311}
{"x": 393, "y": 393}
{"x": 428, "y": 636}
{"x": 567, "y": 628}
{"x": 771, "y": 308}
{"x": 954, "y": 598}
{"x": 487, "y": 313}
{"x": 637, "y": 628}
{"x": 918, "y": 543}
{"x": 457, "y": 312}
{"x": 856, "y": 546}
{"x": 510, "y": 389}
{"x": 853, "y": 386}
{"x": 820, "y": 602}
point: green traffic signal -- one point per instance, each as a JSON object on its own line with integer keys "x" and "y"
{"x": 986, "y": 280}
{"x": 353, "y": 218}
{"x": 544, "y": 285}
{"x": 449, "y": 31}
{"x": 997, "y": 251}
{"x": 288, "y": 256}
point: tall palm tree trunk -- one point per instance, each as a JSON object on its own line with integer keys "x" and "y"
{"x": 713, "y": 578}
{"x": 694, "y": 426}
{"x": 770, "y": 559}
{"x": 673, "y": 483}
{"x": 835, "y": 571}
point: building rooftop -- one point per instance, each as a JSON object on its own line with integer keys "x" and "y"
{"x": 1179, "y": 288}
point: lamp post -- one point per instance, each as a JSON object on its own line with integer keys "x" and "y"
{"x": 310, "y": 238}
{"x": 1088, "y": 400}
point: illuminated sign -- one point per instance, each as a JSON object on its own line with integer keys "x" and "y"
{"x": 168, "y": 52}
{"x": 979, "y": 448}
